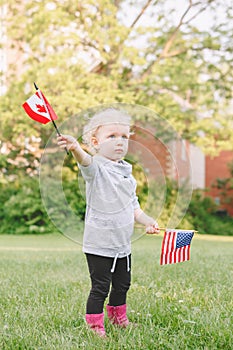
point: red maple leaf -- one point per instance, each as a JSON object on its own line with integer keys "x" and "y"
{"x": 41, "y": 108}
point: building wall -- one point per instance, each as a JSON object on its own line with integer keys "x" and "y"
{"x": 158, "y": 158}
{"x": 216, "y": 167}
{"x": 182, "y": 161}
{"x": 197, "y": 159}
{"x": 150, "y": 153}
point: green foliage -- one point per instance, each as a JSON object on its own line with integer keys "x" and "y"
{"x": 86, "y": 53}
{"x": 23, "y": 210}
{"x": 225, "y": 185}
{"x": 75, "y": 198}
{"x": 202, "y": 215}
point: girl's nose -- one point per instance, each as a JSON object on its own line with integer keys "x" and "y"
{"x": 119, "y": 141}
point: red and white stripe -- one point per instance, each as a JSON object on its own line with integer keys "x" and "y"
{"x": 170, "y": 254}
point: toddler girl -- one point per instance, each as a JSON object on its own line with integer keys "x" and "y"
{"x": 112, "y": 207}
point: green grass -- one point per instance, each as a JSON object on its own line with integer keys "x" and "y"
{"x": 44, "y": 284}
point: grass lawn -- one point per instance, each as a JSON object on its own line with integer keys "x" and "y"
{"x": 44, "y": 284}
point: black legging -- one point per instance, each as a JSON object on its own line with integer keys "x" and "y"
{"x": 102, "y": 277}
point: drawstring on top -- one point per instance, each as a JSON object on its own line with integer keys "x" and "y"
{"x": 115, "y": 261}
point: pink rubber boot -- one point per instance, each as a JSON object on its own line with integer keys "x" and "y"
{"x": 117, "y": 315}
{"x": 96, "y": 323}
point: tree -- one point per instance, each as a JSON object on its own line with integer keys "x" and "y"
{"x": 86, "y": 53}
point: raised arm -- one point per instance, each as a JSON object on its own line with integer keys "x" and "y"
{"x": 69, "y": 142}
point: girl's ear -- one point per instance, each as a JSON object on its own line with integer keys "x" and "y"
{"x": 94, "y": 141}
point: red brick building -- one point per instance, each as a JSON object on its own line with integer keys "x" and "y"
{"x": 180, "y": 160}
{"x": 158, "y": 158}
{"x": 217, "y": 168}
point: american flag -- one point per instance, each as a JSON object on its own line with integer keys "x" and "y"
{"x": 176, "y": 246}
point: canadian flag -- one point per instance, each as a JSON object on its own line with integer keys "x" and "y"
{"x": 39, "y": 109}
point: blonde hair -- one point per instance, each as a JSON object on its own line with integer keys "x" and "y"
{"x": 105, "y": 117}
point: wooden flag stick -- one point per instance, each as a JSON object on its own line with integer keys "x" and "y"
{"x": 164, "y": 228}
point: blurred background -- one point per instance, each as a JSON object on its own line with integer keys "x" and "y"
{"x": 173, "y": 57}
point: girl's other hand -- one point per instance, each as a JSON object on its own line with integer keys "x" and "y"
{"x": 153, "y": 229}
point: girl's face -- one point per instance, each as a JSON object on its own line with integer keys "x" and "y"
{"x": 111, "y": 141}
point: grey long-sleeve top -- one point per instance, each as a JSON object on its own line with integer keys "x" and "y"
{"x": 110, "y": 203}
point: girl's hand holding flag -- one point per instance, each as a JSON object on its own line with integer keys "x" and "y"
{"x": 70, "y": 143}
{"x": 153, "y": 229}
{"x": 67, "y": 141}
{"x": 150, "y": 223}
